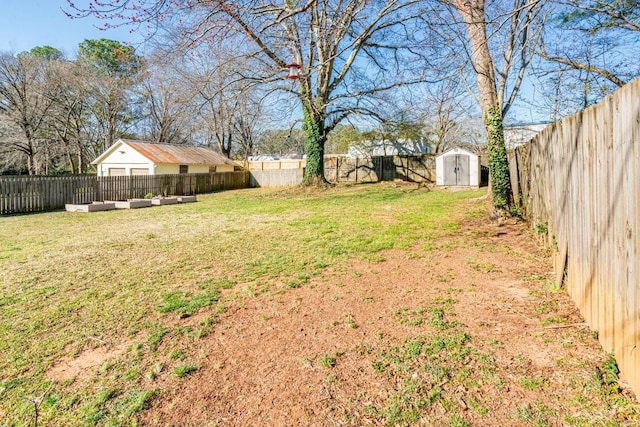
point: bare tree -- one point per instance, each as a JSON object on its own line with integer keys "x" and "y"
{"x": 167, "y": 105}
{"x": 447, "y": 112}
{"x": 67, "y": 118}
{"x": 347, "y": 50}
{"x": 500, "y": 42}
{"x": 227, "y": 107}
{"x": 589, "y": 50}
{"x": 25, "y": 104}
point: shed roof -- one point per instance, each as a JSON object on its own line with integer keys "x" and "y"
{"x": 457, "y": 150}
{"x": 161, "y": 153}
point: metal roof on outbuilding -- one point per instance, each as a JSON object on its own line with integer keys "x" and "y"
{"x": 160, "y": 153}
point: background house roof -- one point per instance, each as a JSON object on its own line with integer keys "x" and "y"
{"x": 177, "y": 154}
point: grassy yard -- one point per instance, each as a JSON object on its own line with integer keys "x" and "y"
{"x": 72, "y": 283}
{"x": 76, "y": 281}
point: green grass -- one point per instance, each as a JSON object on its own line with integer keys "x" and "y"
{"x": 71, "y": 281}
{"x": 327, "y": 362}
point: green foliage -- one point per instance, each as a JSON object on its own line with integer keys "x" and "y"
{"x": 109, "y": 57}
{"x": 184, "y": 370}
{"x": 498, "y": 162}
{"x": 327, "y": 362}
{"x": 315, "y": 138}
{"x": 47, "y": 53}
{"x": 341, "y": 137}
{"x": 609, "y": 373}
{"x": 542, "y": 228}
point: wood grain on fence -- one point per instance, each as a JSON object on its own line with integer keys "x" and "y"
{"x": 579, "y": 185}
{"x": 21, "y": 194}
{"x": 414, "y": 168}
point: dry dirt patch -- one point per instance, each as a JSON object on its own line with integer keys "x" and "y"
{"x": 70, "y": 368}
{"x": 329, "y": 353}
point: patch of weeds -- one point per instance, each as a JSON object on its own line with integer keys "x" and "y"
{"x": 327, "y": 362}
{"x": 413, "y": 348}
{"x": 156, "y": 335}
{"x": 185, "y": 303}
{"x": 396, "y": 413}
{"x": 483, "y": 267}
{"x": 135, "y": 401}
{"x": 440, "y": 309}
{"x": 184, "y": 370}
{"x": 542, "y": 228}
{"x": 531, "y": 383}
{"x": 457, "y": 421}
{"x": 609, "y": 376}
{"x": 405, "y": 406}
{"x": 493, "y": 342}
{"x": 477, "y": 407}
{"x": 410, "y": 317}
{"x": 445, "y": 277}
{"x": 131, "y": 374}
{"x": 177, "y": 355}
{"x": 350, "y": 322}
{"x": 319, "y": 265}
{"x": 552, "y": 287}
{"x": 225, "y": 284}
{"x": 363, "y": 349}
{"x": 206, "y": 326}
{"x": 303, "y": 277}
{"x": 438, "y": 373}
{"x": 293, "y": 284}
{"x": 153, "y": 373}
{"x": 537, "y": 416}
{"x": 546, "y": 306}
{"x": 186, "y": 330}
{"x": 379, "y": 366}
{"x": 553, "y": 320}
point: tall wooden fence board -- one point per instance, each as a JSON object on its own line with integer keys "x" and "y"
{"x": 579, "y": 180}
{"x": 21, "y": 194}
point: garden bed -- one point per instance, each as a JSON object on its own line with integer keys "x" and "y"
{"x": 90, "y": 207}
{"x": 131, "y": 203}
{"x": 158, "y": 201}
{"x": 187, "y": 199}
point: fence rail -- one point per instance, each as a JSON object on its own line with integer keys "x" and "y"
{"x": 578, "y": 183}
{"x": 21, "y": 194}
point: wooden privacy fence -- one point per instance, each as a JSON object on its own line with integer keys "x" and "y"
{"x": 578, "y": 182}
{"x": 19, "y": 194}
{"x": 414, "y": 168}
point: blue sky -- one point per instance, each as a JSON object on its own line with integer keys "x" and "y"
{"x": 25, "y": 24}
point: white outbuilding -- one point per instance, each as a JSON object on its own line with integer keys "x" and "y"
{"x": 458, "y": 167}
{"x": 127, "y": 157}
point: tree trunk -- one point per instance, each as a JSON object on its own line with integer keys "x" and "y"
{"x": 315, "y": 139}
{"x": 473, "y": 14}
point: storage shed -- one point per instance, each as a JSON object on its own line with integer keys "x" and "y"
{"x": 127, "y": 157}
{"x": 458, "y": 167}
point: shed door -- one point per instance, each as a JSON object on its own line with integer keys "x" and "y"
{"x": 456, "y": 170}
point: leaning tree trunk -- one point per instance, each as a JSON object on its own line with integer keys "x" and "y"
{"x": 314, "y": 140}
{"x": 473, "y": 15}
